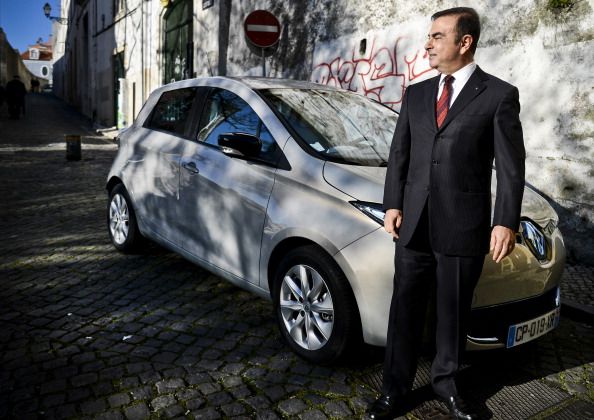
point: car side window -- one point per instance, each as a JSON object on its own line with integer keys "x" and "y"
{"x": 172, "y": 111}
{"x": 224, "y": 113}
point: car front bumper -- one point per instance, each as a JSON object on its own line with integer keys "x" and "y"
{"x": 513, "y": 291}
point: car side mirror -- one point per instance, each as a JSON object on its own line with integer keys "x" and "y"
{"x": 240, "y": 144}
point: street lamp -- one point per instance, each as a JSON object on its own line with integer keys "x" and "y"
{"x": 47, "y": 9}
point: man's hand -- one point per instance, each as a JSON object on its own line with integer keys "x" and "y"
{"x": 392, "y": 222}
{"x": 503, "y": 241}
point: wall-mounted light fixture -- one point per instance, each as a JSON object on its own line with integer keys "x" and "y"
{"x": 47, "y": 10}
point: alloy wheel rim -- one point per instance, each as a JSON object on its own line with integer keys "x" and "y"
{"x": 119, "y": 219}
{"x": 306, "y": 307}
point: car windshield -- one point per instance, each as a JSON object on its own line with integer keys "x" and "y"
{"x": 340, "y": 126}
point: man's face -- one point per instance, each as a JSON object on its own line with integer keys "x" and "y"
{"x": 445, "y": 54}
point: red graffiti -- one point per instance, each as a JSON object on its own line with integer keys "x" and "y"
{"x": 377, "y": 76}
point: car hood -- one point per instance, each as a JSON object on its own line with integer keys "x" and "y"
{"x": 366, "y": 183}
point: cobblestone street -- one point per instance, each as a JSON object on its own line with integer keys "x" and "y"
{"x": 87, "y": 332}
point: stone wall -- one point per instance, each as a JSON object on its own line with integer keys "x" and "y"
{"x": 11, "y": 63}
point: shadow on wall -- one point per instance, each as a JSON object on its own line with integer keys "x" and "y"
{"x": 577, "y": 230}
{"x": 293, "y": 57}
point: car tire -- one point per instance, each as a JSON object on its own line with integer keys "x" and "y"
{"x": 314, "y": 306}
{"x": 121, "y": 222}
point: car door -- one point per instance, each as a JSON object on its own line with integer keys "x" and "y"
{"x": 154, "y": 169}
{"x": 224, "y": 196}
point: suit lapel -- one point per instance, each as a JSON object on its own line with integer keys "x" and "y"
{"x": 471, "y": 90}
{"x": 431, "y": 99}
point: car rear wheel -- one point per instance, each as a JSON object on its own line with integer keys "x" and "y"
{"x": 315, "y": 308}
{"x": 121, "y": 221}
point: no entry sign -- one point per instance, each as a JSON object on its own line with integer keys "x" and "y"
{"x": 262, "y": 28}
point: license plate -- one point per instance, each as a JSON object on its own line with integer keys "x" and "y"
{"x": 527, "y": 331}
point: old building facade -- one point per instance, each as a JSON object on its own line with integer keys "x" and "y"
{"x": 38, "y": 58}
{"x": 116, "y": 52}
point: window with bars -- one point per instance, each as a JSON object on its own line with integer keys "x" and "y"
{"x": 177, "y": 42}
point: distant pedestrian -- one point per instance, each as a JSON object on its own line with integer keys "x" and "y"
{"x": 35, "y": 86}
{"x": 15, "y": 97}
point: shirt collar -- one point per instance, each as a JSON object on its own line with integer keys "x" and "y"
{"x": 462, "y": 75}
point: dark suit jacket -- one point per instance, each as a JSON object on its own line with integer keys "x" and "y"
{"x": 451, "y": 166}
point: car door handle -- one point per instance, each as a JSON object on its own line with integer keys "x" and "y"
{"x": 191, "y": 167}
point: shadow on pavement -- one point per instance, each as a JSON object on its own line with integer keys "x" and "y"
{"x": 85, "y": 329}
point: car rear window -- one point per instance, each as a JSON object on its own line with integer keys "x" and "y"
{"x": 172, "y": 111}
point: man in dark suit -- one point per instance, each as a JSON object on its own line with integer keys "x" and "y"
{"x": 438, "y": 204}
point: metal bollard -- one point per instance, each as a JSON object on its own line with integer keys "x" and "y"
{"x": 73, "y": 147}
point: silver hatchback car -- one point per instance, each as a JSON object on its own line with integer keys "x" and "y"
{"x": 276, "y": 186}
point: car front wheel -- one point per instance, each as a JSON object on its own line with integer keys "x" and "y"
{"x": 315, "y": 308}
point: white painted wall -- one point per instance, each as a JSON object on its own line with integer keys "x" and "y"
{"x": 102, "y": 49}
{"x": 206, "y": 42}
{"x": 59, "y": 34}
{"x": 36, "y": 68}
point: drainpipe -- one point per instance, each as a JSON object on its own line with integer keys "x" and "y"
{"x": 224, "y": 22}
{"x": 142, "y": 40}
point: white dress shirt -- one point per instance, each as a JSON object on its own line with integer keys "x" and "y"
{"x": 460, "y": 78}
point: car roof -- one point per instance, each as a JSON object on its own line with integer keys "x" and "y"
{"x": 235, "y": 82}
{"x": 275, "y": 83}
{"x": 255, "y": 83}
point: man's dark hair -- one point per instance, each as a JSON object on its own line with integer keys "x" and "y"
{"x": 468, "y": 23}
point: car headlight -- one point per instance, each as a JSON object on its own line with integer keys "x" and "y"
{"x": 373, "y": 210}
{"x": 535, "y": 239}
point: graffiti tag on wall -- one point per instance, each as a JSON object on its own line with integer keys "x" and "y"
{"x": 383, "y": 74}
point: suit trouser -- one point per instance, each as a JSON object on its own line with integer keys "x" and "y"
{"x": 418, "y": 268}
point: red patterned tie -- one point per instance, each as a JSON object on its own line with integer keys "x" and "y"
{"x": 441, "y": 109}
